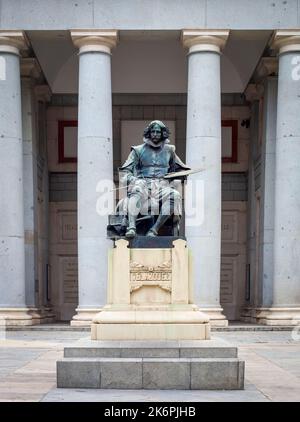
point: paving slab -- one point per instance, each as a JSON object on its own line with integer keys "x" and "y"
{"x": 272, "y": 369}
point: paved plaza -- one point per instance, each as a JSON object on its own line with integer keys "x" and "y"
{"x": 28, "y": 369}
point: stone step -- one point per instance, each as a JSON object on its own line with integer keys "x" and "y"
{"x": 151, "y": 349}
{"x": 151, "y": 373}
{"x": 230, "y": 328}
{"x": 130, "y": 352}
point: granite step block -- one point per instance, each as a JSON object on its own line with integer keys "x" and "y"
{"x": 151, "y": 373}
{"x": 188, "y": 352}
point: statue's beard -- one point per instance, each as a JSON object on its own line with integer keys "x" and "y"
{"x": 156, "y": 144}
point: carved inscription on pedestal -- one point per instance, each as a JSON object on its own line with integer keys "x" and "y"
{"x": 160, "y": 275}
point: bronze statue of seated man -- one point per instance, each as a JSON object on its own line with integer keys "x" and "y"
{"x": 149, "y": 191}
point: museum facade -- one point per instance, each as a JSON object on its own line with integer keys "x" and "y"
{"x": 80, "y": 80}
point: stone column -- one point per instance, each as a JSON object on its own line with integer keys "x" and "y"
{"x": 35, "y": 171}
{"x": 286, "y": 286}
{"x": 266, "y": 75}
{"x": 95, "y": 164}
{"x": 203, "y": 149}
{"x": 42, "y": 95}
{"x": 30, "y": 71}
{"x": 12, "y": 257}
{"x": 33, "y": 159}
{"x": 268, "y": 190}
{"x": 253, "y": 94}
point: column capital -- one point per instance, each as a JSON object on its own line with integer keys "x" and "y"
{"x": 94, "y": 40}
{"x": 254, "y": 92}
{"x": 286, "y": 40}
{"x": 43, "y": 93}
{"x": 204, "y": 40}
{"x": 267, "y": 66}
{"x": 13, "y": 42}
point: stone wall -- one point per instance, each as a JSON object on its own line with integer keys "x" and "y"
{"x": 142, "y": 15}
{"x": 62, "y": 187}
{"x": 147, "y": 107}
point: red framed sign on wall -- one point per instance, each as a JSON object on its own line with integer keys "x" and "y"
{"x": 67, "y": 141}
{"x": 229, "y": 141}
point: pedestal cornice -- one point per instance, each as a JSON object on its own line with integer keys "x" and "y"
{"x": 204, "y": 40}
{"x": 94, "y": 40}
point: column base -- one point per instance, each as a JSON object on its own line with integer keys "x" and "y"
{"x": 287, "y": 316}
{"x": 84, "y": 317}
{"x": 248, "y": 314}
{"x": 42, "y": 315}
{"x": 216, "y": 317}
{"x": 25, "y": 316}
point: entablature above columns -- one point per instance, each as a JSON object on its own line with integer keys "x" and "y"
{"x": 204, "y": 40}
{"x": 94, "y": 40}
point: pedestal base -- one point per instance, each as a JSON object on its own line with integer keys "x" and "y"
{"x": 184, "y": 365}
{"x": 169, "y": 323}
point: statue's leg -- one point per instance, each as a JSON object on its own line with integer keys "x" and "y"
{"x": 134, "y": 207}
{"x": 170, "y": 200}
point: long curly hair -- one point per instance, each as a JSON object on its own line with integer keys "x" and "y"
{"x": 165, "y": 132}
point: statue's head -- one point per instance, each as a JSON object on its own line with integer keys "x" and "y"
{"x": 157, "y": 132}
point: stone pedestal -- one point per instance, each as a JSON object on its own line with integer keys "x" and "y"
{"x": 150, "y": 296}
{"x": 150, "y": 335}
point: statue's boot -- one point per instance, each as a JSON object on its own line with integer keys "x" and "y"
{"x": 130, "y": 232}
{"x": 152, "y": 233}
{"x": 161, "y": 219}
{"x": 131, "y": 229}
{"x": 134, "y": 207}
